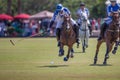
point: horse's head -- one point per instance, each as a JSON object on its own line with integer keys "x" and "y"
{"x": 66, "y": 23}
{"x": 116, "y": 17}
{"x": 84, "y": 16}
{"x": 115, "y": 24}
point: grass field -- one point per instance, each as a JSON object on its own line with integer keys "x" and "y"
{"x": 31, "y": 59}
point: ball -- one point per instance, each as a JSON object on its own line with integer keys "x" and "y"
{"x": 52, "y": 62}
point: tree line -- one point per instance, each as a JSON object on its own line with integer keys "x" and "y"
{"x": 13, "y": 7}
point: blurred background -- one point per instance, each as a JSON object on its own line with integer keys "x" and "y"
{"x": 21, "y": 18}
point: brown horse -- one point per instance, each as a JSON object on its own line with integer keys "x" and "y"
{"x": 111, "y": 37}
{"x": 68, "y": 38}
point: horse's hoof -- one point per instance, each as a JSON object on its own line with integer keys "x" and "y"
{"x": 60, "y": 54}
{"x": 104, "y": 63}
{"x": 65, "y": 59}
{"x": 83, "y": 51}
{"x": 94, "y": 63}
{"x": 95, "y": 60}
{"x": 113, "y": 51}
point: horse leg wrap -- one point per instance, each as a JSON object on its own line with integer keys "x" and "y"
{"x": 61, "y": 52}
{"x": 95, "y": 60}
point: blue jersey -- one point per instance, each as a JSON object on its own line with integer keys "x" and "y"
{"x": 111, "y": 8}
{"x": 56, "y": 13}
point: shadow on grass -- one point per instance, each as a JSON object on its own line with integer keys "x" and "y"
{"x": 79, "y": 52}
{"x": 100, "y": 65}
{"x": 52, "y": 66}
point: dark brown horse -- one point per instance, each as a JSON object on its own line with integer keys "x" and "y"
{"x": 111, "y": 37}
{"x": 68, "y": 38}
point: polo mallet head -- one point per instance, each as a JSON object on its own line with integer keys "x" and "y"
{"x": 12, "y": 42}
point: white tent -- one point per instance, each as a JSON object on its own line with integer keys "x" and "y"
{"x": 42, "y": 14}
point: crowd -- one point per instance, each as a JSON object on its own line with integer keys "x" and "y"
{"x": 24, "y": 28}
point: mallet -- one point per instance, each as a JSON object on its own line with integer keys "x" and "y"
{"x": 13, "y": 43}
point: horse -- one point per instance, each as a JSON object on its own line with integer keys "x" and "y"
{"x": 111, "y": 38}
{"x": 67, "y": 37}
{"x": 84, "y": 31}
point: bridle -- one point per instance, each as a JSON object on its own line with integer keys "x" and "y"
{"x": 67, "y": 24}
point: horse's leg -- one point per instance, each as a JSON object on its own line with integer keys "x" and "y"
{"x": 83, "y": 44}
{"x": 61, "y": 50}
{"x": 97, "y": 50}
{"x": 87, "y": 38}
{"x": 72, "y": 53}
{"x": 68, "y": 54}
{"x": 109, "y": 48}
{"x": 79, "y": 39}
{"x": 119, "y": 38}
{"x": 116, "y": 47}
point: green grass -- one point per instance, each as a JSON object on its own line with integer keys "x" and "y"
{"x": 30, "y": 60}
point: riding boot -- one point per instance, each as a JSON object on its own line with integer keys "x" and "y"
{"x": 58, "y": 36}
{"x": 102, "y": 30}
{"x": 76, "y": 29}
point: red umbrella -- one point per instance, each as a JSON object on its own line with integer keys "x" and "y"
{"x": 22, "y": 16}
{"x": 5, "y": 17}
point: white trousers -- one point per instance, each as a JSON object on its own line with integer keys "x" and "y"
{"x": 59, "y": 23}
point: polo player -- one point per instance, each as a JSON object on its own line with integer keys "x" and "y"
{"x": 58, "y": 17}
{"x": 113, "y": 7}
{"x": 81, "y": 10}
